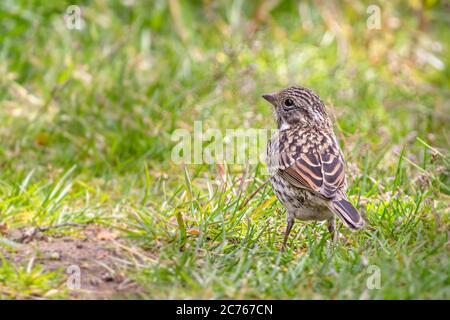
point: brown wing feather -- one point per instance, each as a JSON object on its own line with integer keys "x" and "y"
{"x": 322, "y": 173}
{"x": 333, "y": 169}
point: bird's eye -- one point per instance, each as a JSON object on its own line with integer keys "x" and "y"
{"x": 288, "y": 102}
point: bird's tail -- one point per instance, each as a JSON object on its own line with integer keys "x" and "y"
{"x": 347, "y": 213}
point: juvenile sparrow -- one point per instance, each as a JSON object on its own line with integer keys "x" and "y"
{"x": 305, "y": 162}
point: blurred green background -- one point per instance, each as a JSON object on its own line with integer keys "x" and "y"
{"x": 86, "y": 118}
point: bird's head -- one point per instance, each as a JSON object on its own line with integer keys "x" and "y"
{"x": 298, "y": 106}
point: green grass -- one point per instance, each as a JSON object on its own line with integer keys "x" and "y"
{"x": 86, "y": 119}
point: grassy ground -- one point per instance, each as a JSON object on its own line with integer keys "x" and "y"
{"x": 86, "y": 119}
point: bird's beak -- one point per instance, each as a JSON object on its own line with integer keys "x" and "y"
{"x": 271, "y": 97}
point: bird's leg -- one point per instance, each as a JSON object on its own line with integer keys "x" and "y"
{"x": 290, "y": 223}
{"x": 331, "y": 228}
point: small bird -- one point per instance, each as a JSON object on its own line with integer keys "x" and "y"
{"x": 305, "y": 162}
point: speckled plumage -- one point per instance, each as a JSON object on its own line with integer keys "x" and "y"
{"x": 306, "y": 163}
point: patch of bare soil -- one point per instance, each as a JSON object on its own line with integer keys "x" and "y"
{"x": 96, "y": 254}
